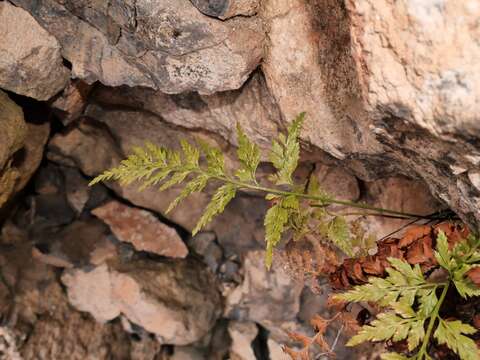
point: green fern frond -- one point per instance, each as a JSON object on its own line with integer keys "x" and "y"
{"x": 285, "y": 152}
{"x": 248, "y": 154}
{"x": 217, "y": 205}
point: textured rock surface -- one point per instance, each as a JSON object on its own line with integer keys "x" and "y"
{"x": 270, "y": 298}
{"x": 142, "y": 229}
{"x": 21, "y": 150}
{"x": 242, "y": 335}
{"x": 13, "y": 131}
{"x": 167, "y": 45}
{"x": 225, "y": 9}
{"x": 138, "y": 290}
{"x": 31, "y": 62}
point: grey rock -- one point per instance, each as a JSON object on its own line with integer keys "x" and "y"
{"x": 225, "y": 9}
{"x": 166, "y": 45}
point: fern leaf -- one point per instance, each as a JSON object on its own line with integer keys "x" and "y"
{"x": 195, "y": 185}
{"x": 339, "y": 234}
{"x": 190, "y": 153}
{"x": 275, "y": 223}
{"x": 285, "y": 152}
{"x": 215, "y": 159}
{"x": 452, "y": 334}
{"x": 217, "y": 205}
{"x": 442, "y": 254}
{"x": 383, "y": 328}
{"x": 248, "y": 154}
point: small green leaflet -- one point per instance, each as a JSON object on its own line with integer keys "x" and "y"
{"x": 442, "y": 254}
{"x": 285, "y": 152}
{"x": 220, "y": 199}
{"x": 390, "y": 325}
{"x": 452, "y": 334}
{"x": 403, "y": 282}
{"x": 275, "y": 223}
{"x": 214, "y": 157}
{"x": 339, "y": 233}
{"x": 248, "y": 154}
{"x": 195, "y": 185}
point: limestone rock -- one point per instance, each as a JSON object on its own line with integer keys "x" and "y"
{"x": 181, "y": 315}
{"x": 225, "y": 9}
{"x": 31, "y": 60}
{"x": 142, "y": 229}
{"x": 166, "y": 45}
{"x": 270, "y": 298}
{"x": 310, "y": 59}
{"x": 242, "y": 335}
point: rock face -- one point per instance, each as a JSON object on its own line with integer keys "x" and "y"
{"x": 270, "y": 298}
{"x": 21, "y": 142}
{"x": 31, "y": 61}
{"x": 168, "y": 300}
{"x": 142, "y": 229}
{"x": 167, "y": 45}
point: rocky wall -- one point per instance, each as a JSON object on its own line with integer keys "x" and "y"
{"x": 391, "y": 92}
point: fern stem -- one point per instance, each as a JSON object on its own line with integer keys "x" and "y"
{"x": 329, "y": 201}
{"x": 423, "y": 350}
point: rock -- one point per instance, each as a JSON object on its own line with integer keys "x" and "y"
{"x": 142, "y": 229}
{"x": 31, "y": 60}
{"x": 180, "y": 316}
{"x": 275, "y": 351}
{"x": 252, "y": 107}
{"x": 225, "y": 9}
{"x": 73, "y": 147}
{"x": 77, "y": 190}
{"x": 337, "y": 182}
{"x": 166, "y": 45}
{"x": 270, "y": 298}
{"x": 205, "y": 245}
{"x": 187, "y": 353}
{"x": 401, "y": 194}
{"x": 240, "y": 228}
{"x": 373, "y": 99}
{"x": 72, "y": 101}
{"x": 311, "y": 60}
{"x": 242, "y": 335}
{"x": 13, "y": 131}
{"x": 32, "y": 153}
{"x": 80, "y": 243}
{"x": 82, "y": 338}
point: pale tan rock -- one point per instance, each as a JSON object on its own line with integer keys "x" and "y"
{"x": 182, "y": 315}
{"x": 242, "y": 335}
{"x": 307, "y": 69}
{"x": 142, "y": 229}
{"x": 31, "y": 60}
